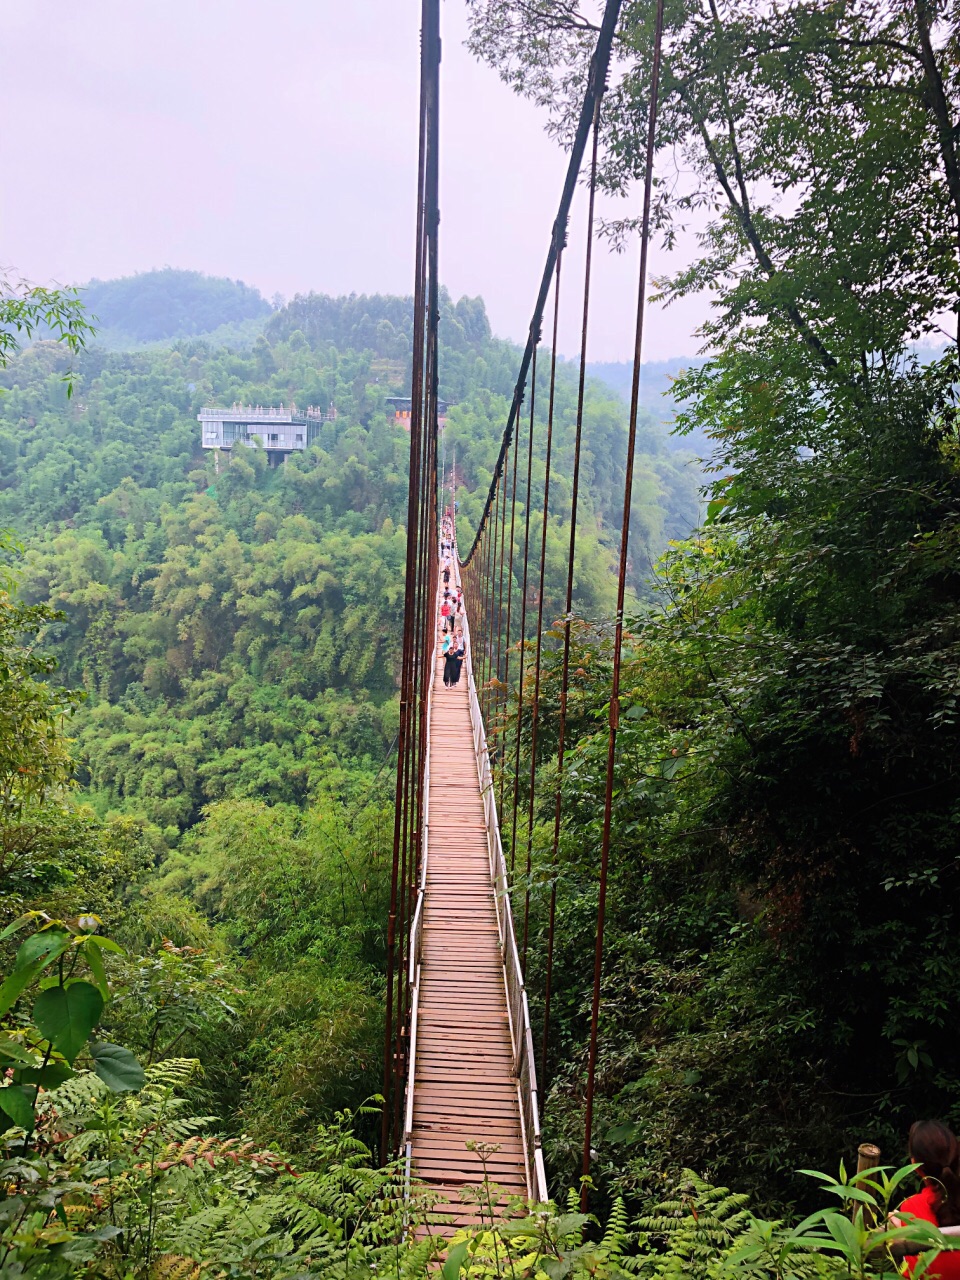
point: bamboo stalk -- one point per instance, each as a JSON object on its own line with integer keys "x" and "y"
{"x": 868, "y": 1157}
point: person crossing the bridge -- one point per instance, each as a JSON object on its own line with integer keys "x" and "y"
{"x": 458, "y": 653}
{"x": 446, "y": 609}
{"x": 447, "y": 649}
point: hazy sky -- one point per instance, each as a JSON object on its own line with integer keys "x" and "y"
{"x": 276, "y": 143}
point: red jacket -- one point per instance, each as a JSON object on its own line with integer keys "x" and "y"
{"x": 945, "y": 1266}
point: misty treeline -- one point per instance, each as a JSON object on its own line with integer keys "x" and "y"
{"x": 153, "y": 306}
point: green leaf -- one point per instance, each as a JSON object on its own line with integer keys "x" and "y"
{"x": 455, "y": 1259}
{"x": 94, "y": 958}
{"x": 569, "y": 1224}
{"x": 47, "y": 944}
{"x": 67, "y": 1015}
{"x": 106, "y": 1233}
{"x": 898, "y": 1177}
{"x": 108, "y": 944}
{"x": 33, "y": 957}
{"x": 622, "y": 1133}
{"x": 814, "y": 1219}
{"x": 850, "y": 1192}
{"x": 117, "y": 1068}
{"x": 844, "y": 1232}
{"x": 14, "y": 1051}
{"x": 11, "y": 929}
{"x": 17, "y": 982}
{"x": 513, "y": 1227}
{"x": 16, "y": 1104}
{"x": 559, "y": 1268}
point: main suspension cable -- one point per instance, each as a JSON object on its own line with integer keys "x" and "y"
{"x": 596, "y": 85}
{"x": 414, "y": 659}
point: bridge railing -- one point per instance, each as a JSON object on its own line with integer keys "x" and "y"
{"x": 416, "y": 927}
{"x": 518, "y": 1008}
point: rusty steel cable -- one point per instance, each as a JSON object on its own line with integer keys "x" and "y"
{"x": 506, "y": 665}
{"x": 426, "y": 569}
{"x": 409, "y": 860}
{"x": 495, "y": 599}
{"x": 596, "y": 84}
{"x": 489, "y": 596}
{"x": 614, "y": 706}
{"x": 568, "y": 600}
{"x": 401, "y": 813}
{"x": 484, "y": 603}
{"x": 523, "y": 618}
{"x": 538, "y": 637}
{"x": 488, "y": 558}
{"x": 403, "y": 845}
{"x": 498, "y": 692}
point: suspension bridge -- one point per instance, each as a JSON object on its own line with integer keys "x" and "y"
{"x": 462, "y": 1100}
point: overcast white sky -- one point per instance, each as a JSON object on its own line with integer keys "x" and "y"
{"x": 276, "y": 143}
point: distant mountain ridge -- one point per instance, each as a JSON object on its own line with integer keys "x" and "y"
{"x": 158, "y": 306}
{"x": 656, "y": 384}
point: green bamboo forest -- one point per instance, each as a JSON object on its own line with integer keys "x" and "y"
{"x": 201, "y": 657}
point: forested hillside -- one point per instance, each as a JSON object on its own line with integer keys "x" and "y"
{"x": 658, "y": 379}
{"x": 236, "y": 632}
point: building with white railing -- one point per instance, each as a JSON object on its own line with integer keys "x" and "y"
{"x": 280, "y": 430}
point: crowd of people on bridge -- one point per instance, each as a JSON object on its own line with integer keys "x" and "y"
{"x": 453, "y": 647}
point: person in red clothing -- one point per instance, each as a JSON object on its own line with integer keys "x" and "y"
{"x": 935, "y": 1149}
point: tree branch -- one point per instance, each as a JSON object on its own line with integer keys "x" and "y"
{"x": 752, "y": 236}
{"x": 937, "y": 101}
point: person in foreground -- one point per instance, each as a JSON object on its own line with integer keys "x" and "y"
{"x": 936, "y": 1150}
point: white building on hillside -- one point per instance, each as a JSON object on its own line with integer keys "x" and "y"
{"x": 280, "y": 430}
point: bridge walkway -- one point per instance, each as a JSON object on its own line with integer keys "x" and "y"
{"x": 469, "y": 1071}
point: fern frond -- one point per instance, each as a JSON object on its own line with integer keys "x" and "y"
{"x": 171, "y": 1267}
{"x": 615, "y": 1235}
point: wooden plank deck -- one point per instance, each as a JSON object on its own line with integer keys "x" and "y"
{"x": 465, "y": 1088}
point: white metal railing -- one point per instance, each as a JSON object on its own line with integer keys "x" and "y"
{"x": 518, "y": 1009}
{"x": 267, "y": 413}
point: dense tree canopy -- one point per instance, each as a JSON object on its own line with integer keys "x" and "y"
{"x": 233, "y": 622}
